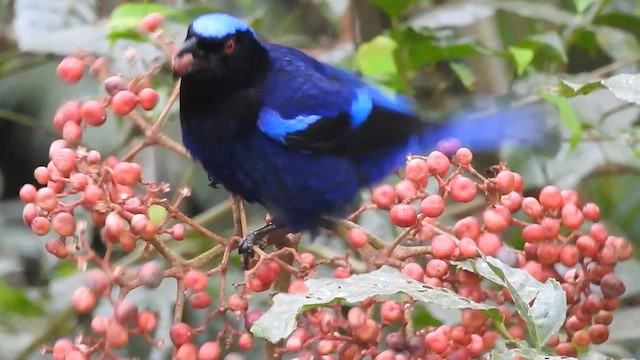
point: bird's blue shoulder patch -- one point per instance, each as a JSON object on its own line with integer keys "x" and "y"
{"x": 218, "y": 25}
{"x": 271, "y": 123}
{"x": 360, "y": 107}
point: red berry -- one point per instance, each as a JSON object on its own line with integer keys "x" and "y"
{"x": 245, "y": 342}
{"x": 438, "y": 163}
{"x": 84, "y": 300}
{"x": 341, "y": 272}
{"x": 196, "y": 280}
{"x": 70, "y": 69}
{"x": 437, "y": 268}
{"x": 210, "y": 350}
{"x": 64, "y": 160}
{"x": 178, "y": 232}
{"x": 257, "y": 286}
{"x": 572, "y": 217}
{"x": 99, "y": 324}
{"x": 443, "y": 247}
{"x": 391, "y": 311}
{"x": 551, "y": 228}
{"x": 93, "y": 113}
{"x": 413, "y": 270}
{"x": 28, "y": 193}
{"x": 125, "y": 312}
{"x": 467, "y": 227}
{"x": 550, "y": 197}
{"x": 570, "y": 197}
{"x": 200, "y": 300}
{"x": 494, "y": 221}
{"x": 417, "y": 171}
{"x": 512, "y": 201}
{"x": 403, "y": 215}
{"x": 297, "y": 286}
{"x": 462, "y": 189}
{"x": 432, "y": 206}
{"x": 267, "y": 272}
{"x": 504, "y": 182}
{"x": 598, "y": 333}
{"x": 181, "y": 334}
{"x": 78, "y": 181}
{"x": 114, "y": 84}
{"x": 611, "y": 286}
{"x": 41, "y": 174}
{"x": 384, "y": 196}
{"x": 64, "y": 224}
{"x": 468, "y": 248}
{"x": 40, "y": 225}
{"x": 56, "y": 248}
{"x": 238, "y": 304}
{"x": 126, "y": 173}
{"x": 464, "y": 156}
{"x": 116, "y": 335}
{"x": 152, "y": 22}
{"x": 124, "y": 102}
{"x": 148, "y": 98}
{"x": 62, "y": 348}
{"x": 406, "y": 189}
{"x": 533, "y": 233}
{"x": 548, "y": 254}
{"x": 72, "y": 132}
{"x": 532, "y": 208}
{"x": 591, "y": 211}
{"x": 489, "y": 243}
{"x": 356, "y": 317}
{"x": 357, "y": 238}
{"x": 569, "y": 255}
{"x": 146, "y": 321}
{"x": 251, "y": 318}
{"x": 187, "y": 351}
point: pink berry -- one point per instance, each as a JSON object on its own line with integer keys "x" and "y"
{"x": 357, "y": 238}
{"x": 417, "y": 171}
{"x": 504, "y": 182}
{"x": 464, "y": 156}
{"x": 148, "y": 98}
{"x": 432, "y": 206}
{"x": 403, "y": 215}
{"x": 443, "y": 247}
{"x": 28, "y": 193}
{"x": 384, "y": 196}
{"x": 438, "y": 163}
{"x": 152, "y": 22}
{"x": 124, "y": 102}
{"x": 70, "y": 69}
{"x": 196, "y": 280}
{"x": 126, "y": 173}
{"x": 181, "y": 334}
{"x": 462, "y": 189}
{"x": 93, "y": 113}
{"x": 550, "y": 197}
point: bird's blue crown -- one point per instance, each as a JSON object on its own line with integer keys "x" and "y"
{"x": 218, "y": 25}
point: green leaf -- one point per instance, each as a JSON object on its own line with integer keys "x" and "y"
{"x": 568, "y": 116}
{"x": 15, "y": 301}
{"x": 547, "y": 314}
{"x": 624, "y": 21}
{"x": 376, "y": 57}
{"x": 127, "y": 16}
{"x": 582, "y": 5}
{"x": 280, "y": 320}
{"x": 464, "y": 74}
{"x": 534, "y": 10}
{"x": 625, "y": 87}
{"x": 395, "y": 7}
{"x": 569, "y": 89}
{"x": 522, "y": 56}
{"x": 429, "y": 52}
{"x": 553, "y": 41}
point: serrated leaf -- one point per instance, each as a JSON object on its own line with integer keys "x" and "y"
{"x": 625, "y": 87}
{"x": 464, "y": 74}
{"x": 542, "y": 321}
{"x": 376, "y": 57}
{"x": 280, "y": 320}
{"x": 568, "y": 116}
{"x": 522, "y": 56}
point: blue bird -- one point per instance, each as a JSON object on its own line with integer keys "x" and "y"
{"x": 298, "y": 136}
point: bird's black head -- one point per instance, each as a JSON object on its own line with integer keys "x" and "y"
{"x": 221, "y": 49}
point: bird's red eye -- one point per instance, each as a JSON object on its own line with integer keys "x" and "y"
{"x": 229, "y": 46}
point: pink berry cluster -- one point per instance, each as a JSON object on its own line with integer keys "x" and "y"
{"x": 563, "y": 240}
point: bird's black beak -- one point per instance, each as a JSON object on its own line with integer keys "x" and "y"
{"x": 189, "y": 46}
{"x": 182, "y": 61}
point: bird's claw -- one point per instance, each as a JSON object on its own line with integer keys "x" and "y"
{"x": 245, "y": 248}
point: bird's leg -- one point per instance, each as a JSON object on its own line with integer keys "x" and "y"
{"x": 254, "y": 238}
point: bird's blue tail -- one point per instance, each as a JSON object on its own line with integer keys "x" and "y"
{"x": 486, "y": 131}
{"x": 522, "y": 127}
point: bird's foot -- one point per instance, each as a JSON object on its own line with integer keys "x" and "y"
{"x": 245, "y": 248}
